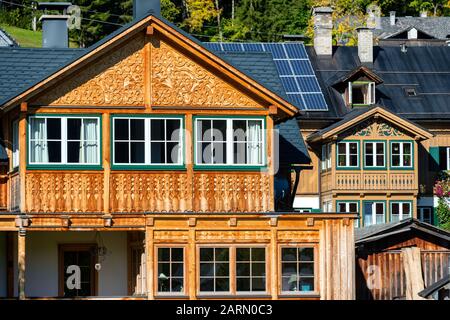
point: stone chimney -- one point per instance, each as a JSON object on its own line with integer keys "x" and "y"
{"x": 323, "y": 27}
{"x": 392, "y": 18}
{"x": 365, "y": 45}
{"x": 55, "y": 32}
{"x": 142, "y": 8}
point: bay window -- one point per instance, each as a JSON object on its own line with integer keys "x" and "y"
{"x": 348, "y": 154}
{"x": 68, "y": 140}
{"x": 229, "y": 142}
{"x": 401, "y": 154}
{"x": 400, "y": 210}
{"x": 147, "y": 141}
{"x": 374, "y": 154}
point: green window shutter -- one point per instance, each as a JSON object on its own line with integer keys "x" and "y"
{"x": 434, "y": 159}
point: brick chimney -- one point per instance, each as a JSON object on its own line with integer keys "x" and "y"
{"x": 142, "y": 8}
{"x": 323, "y": 27}
{"x": 365, "y": 45}
{"x": 55, "y": 33}
{"x": 392, "y": 18}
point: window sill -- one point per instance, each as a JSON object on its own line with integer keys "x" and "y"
{"x": 348, "y": 168}
{"x": 63, "y": 167}
{"x": 299, "y": 295}
{"x": 230, "y": 168}
{"x": 401, "y": 168}
{"x": 147, "y": 167}
{"x": 171, "y": 296}
{"x": 233, "y": 296}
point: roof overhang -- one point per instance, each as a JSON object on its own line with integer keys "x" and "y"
{"x": 274, "y": 100}
{"x": 412, "y": 128}
{"x": 357, "y": 73}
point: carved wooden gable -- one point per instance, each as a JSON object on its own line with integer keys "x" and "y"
{"x": 375, "y": 128}
{"x": 117, "y": 78}
{"x": 177, "y": 80}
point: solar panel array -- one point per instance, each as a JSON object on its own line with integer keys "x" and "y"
{"x": 294, "y": 68}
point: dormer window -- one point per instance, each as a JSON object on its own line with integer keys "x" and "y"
{"x": 361, "y": 93}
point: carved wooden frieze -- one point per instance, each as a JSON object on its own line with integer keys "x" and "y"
{"x": 179, "y": 81}
{"x": 373, "y": 128}
{"x": 232, "y": 235}
{"x": 114, "y": 79}
{"x": 170, "y": 235}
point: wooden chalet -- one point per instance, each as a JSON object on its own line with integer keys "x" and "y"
{"x": 121, "y": 179}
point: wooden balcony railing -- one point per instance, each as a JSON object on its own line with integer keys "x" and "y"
{"x": 375, "y": 181}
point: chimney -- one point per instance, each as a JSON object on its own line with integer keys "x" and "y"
{"x": 54, "y": 27}
{"x": 142, "y": 8}
{"x": 365, "y": 45}
{"x": 423, "y": 14}
{"x": 392, "y": 17}
{"x": 323, "y": 27}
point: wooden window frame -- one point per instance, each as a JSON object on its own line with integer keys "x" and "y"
{"x": 374, "y": 155}
{"x": 147, "y": 165}
{"x": 155, "y": 274}
{"x": 374, "y": 215}
{"x": 400, "y": 203}
{"x": 420, "y": 211}
{"x": 347, "y": 155}
{"x": 76, "y": 247}
{"x": 232, "y": 271}
{"x": 401, "y": 154}
{"x": 325, "y": 162}
{"x": 369, "y": 99}
{"x": 347, "y": 203}
{"x": 64, "y": 141}
{"x": 316, "y": 262}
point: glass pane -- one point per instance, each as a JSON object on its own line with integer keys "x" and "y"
{"x": 258, "y": 254}
{"x": 177, "y": 254}
{"x": 239, "y": 130}
{"x": 243, "y": 269}
{"x": 289, "y": 283}
{"x": 137, "y": 129}
{"x": 395, "y": 148}
{"x": 353, "y": 207}
{"x": 369, "y": 160}
{"x": 353, "y": 160}
{"x": 54, "y": 151}
{"x": 395, "y": 160}
{"x": 379, "y": 208}
{"x": 222, "y": 284}
{"x": 407, "y": 148}
{"x": 221, "y": 254}
{"x": 306, "y": 269}
{"x": 353, "y": 147}
{"x": 206, "y": 284}
{"x": 173, "y": 129}
{"x": 73, "y": 152}
{"x": 204, "y": 132}
{"x": 177, "y": 284}
{"x": 341, "y": 160}
{"x": 342, "y": 207}
{"x": 258, "y": 284}
{"x": 369, "y": 148}
{"x": 207, "y": 269}
{"x": 243, "y": 284}
{"x": 74, "y": 129}
{"x": 289, "y": 254}
{"x": 406, "y": 160}
{"x": 258, "y": 269}
{"x": 163, "y": 270}
{"x": 341, "y": 148}
{"x": 380, "y": 160}
{"x": 121, "y": 129}
{"x": 222, "y": 269}
{"x": 157, "y": 152}
{"x": 220, "y": 130}
{"x": 240, "y": 152}
{"x": 380, "y": 148}
{"x": 163, "y": 254}
{"x": 242, "y": 254}
{"x": 157, "y": 129}
{"x": 206, "y": 254}
{"x": 406, "y": 208}
{"x": 173, "y": 152}
{"x": 306, "y": 284}
{"x": 306, "y": 254}
{"x": 53, "y": 128}
{"x": 121, "y": 152}
{"x": 288, "y": 269}
{"x": 137, "y": 152}
{"x": 219, "y": 152}
{"x": 395, "y": 208}
{"x": 177, "y": 269}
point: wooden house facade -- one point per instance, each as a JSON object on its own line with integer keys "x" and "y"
{"x": 121, "y": 178}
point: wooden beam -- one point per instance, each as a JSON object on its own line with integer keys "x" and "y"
{"x": 150, "y": 30}
{"x": 192, "y": 265}
{"x": 150, "y": 264}
{"x": 23, "y": 154}
{"x": 106, "y": 160}
{"x": 21, "y": 262}
{"x": 413, "y": 273}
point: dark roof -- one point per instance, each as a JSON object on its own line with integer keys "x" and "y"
{"x": 425, "y": 69}
{"x": 436, "y": 27}
{"x": 438, "y": 285}
{"x": 6, "y": 40}
{"x": 292, "y": 148}
{"x": 380, "y": 231}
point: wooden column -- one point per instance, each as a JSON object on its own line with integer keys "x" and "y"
{"x": 21, "y": 262}
{"x": 106, "y": 156}
{"x": 270, "y": 163}
{"x": 189, "y": 159}
{"x": 149, "y": 254}
{"x": 191, "y": 270}
{"x": 274, "y": 278}
{"x": 23, "y": 153}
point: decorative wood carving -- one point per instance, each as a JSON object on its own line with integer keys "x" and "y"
{"x": 115, "y": 79}
{"x": 374, "y": 128}
{"x": 170, "y": 235}
{"x": 298, "y": 235}
{"x": 178, "y": 81}
{"x": 14, "y": 192}
{"x": 232, "y": 235}
{"x": 64, "y": 192}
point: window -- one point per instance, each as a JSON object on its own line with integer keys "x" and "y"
{"x": 400, "y": 210}
{"x": 374, "y": 212}
{"x": 447, "y": 158}
{"x": 361, "y": 93}
{"x": 64, "y": 140}
{"x": 348, "y": 154}
{"x": 170, "y": 270}
{"x": 374, "y": 154}
{"x": 326, "y": 157}
{"x": 425, "y": 214}
{"x": 214, "y": 269}
{"x": 147, "y": 141}
{"x": 15, "y": 144}
{"x": 327, "y": 206}
{"x": 401, "y": 154}
{"x": 229, "y": 142}
{"x": 297, "y": 270}
{"x": 410, "y": 92}
{"x": 250, "y": 269}
{"x": 348, "y": 207}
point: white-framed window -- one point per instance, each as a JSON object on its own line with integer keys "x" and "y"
{"x": 326, "y": 157}
{"x": 348, "y": 207}
{"x": 374, "y": 154}
{"x": 68, "y": 140}
{"x": 447, "y": 150}
{"x": 250, "y": 269}
{"x": 361, "y": 93}
{"x": 425, "y": 214}
{"x": 147, "y": 141}
{"x": 327, "y": 206}
{"x": 298, "y": 270}
{"x": 214, "y": 270}
{"x": 15, "y": 144}
{"x": 401, "y": 154}
{"x": 400, "y": 210}
{"x": 229, "y": 142}
{"x": 170, "y": 270}
{"x": 348, "y": 154}
{"x": 374, "y": 212}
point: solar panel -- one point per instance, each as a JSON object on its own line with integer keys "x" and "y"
{"x": 294, "y": 68}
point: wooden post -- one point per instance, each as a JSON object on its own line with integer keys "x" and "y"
{"x": 274, "y": 278}
{"x": 21, "y": 262}
{"x": 149, "y": 253}
{"x": 189, "y": 162}
{"x": 23, "y": 153}
{"x": 106, "y": 161}
{"x": 270, "y": 163}
{"x": 413, "y": 273}
{"x": 191, "y": 258}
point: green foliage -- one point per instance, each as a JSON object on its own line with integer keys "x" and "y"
{"x": 443, "y": 214}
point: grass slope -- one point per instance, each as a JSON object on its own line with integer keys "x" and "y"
{"x": 25, "y": 38}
